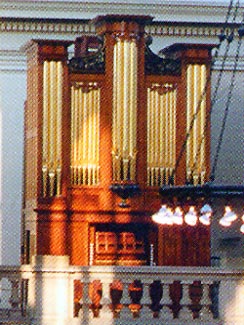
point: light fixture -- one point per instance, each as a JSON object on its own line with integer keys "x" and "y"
{"x": 164, "y": 216}
{"x": 194, "y": 196}
{"x": 178, "y": 216}
{"x": 228, "y": 217}
{"x": 206, "y": 213}
{"x": 242, "y": 229}
{"x": 191, "y": 216}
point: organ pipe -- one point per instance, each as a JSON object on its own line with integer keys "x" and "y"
{"x": 52, "y": 127}
{"x": 124, "y": 110}
{"x": 85, "y": 131}
{"x": 161, "y": 133}
{"x": 196, "y": 111}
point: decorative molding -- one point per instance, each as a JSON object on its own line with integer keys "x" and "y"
{"x": 46, "y": 26}
{"x": 74, "y": 26}
{"x": 12, "y": 61}
{"x": 189, "y": 29}
{"x": 160, "y": 9}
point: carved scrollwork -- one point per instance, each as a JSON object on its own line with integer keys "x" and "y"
{"x": 92, "y": 63}
{"x": 157, "y": 65}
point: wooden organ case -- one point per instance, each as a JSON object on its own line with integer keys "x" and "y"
{"x": 103, "y": 131}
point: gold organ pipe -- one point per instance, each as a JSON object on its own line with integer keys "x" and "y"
{"x": 167, "y": 135}
{"x": 161, "y": 137}
{"x": 82, "y": 149}
{"x": 188, "y": 122}
{"x": 72, "y": 133}
{"x": 85, "y": 134}
{"x": 93, "y": 133}
{"x": 170, "y": 152}
{"x": 45, "y": 157}
{"x": 119, "y": 103}
{"x": 196, "y": 79}
{"x": 52, "y": 127}
{"x": 149, "y": 148}
{"x": 89, "y": 125}
{"x": 124, "y": 110}
{"x": 195, "y": 130}
{"x": 161, "y": 114}
{"x": 156, "y": 135}
{"x": 97, "y": 135}
{"x": 133, "y": 111}
{"x": 78, "y": 130}
{"x": 203, "y": 118}
{"x": 75, "y": 139}
{"x": 126, "y": 99}
{"x": 114, "y": 116}
{"x": 153, "y": 137}
{"x": 174, "y": 128}
{"x": 115, "y": 123}
{"x": 59, "y": 125}
{"x": 119, "y": 61}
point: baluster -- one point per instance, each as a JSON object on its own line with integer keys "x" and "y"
{"x": 185, "y": 312}
{"x": 86, "y": 312}
{"x": 14, "y": 299}
{"x": 146, "y": 302}
{"x": 125, "y": 301}
{"x": 166, "y": 312}
{"x": 205, "y": 312}
{"x": 106, "y": 301}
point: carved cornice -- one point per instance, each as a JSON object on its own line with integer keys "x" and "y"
{"x": 47, "y": 26}
{"x": 177, "y": 10}
{"x": 78, "y": 26}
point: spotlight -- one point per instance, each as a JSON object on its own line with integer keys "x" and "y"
{"x": 191, "y": 217}
{"x": 228, "y": 218}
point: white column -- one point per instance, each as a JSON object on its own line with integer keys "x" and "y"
{"x": 146, "y": 302}
{"x": 105, "y": 302}
{"x": 185, "y": 313}
{"x": 205, "y": 313}
{"x": 166, "y": 312}
{"x": 125, "y": 301}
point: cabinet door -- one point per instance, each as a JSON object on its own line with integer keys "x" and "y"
{"x": 106, "y": 242}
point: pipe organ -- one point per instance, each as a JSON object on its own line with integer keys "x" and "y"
{"x": 104, "y": 130}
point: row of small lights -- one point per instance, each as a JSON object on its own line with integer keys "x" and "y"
{"x": 168, "y": 216}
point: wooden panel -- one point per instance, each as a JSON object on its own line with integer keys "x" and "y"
{"x": 79, "y": 245}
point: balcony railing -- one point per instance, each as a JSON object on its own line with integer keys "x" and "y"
{"x": 53, "y": 294}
